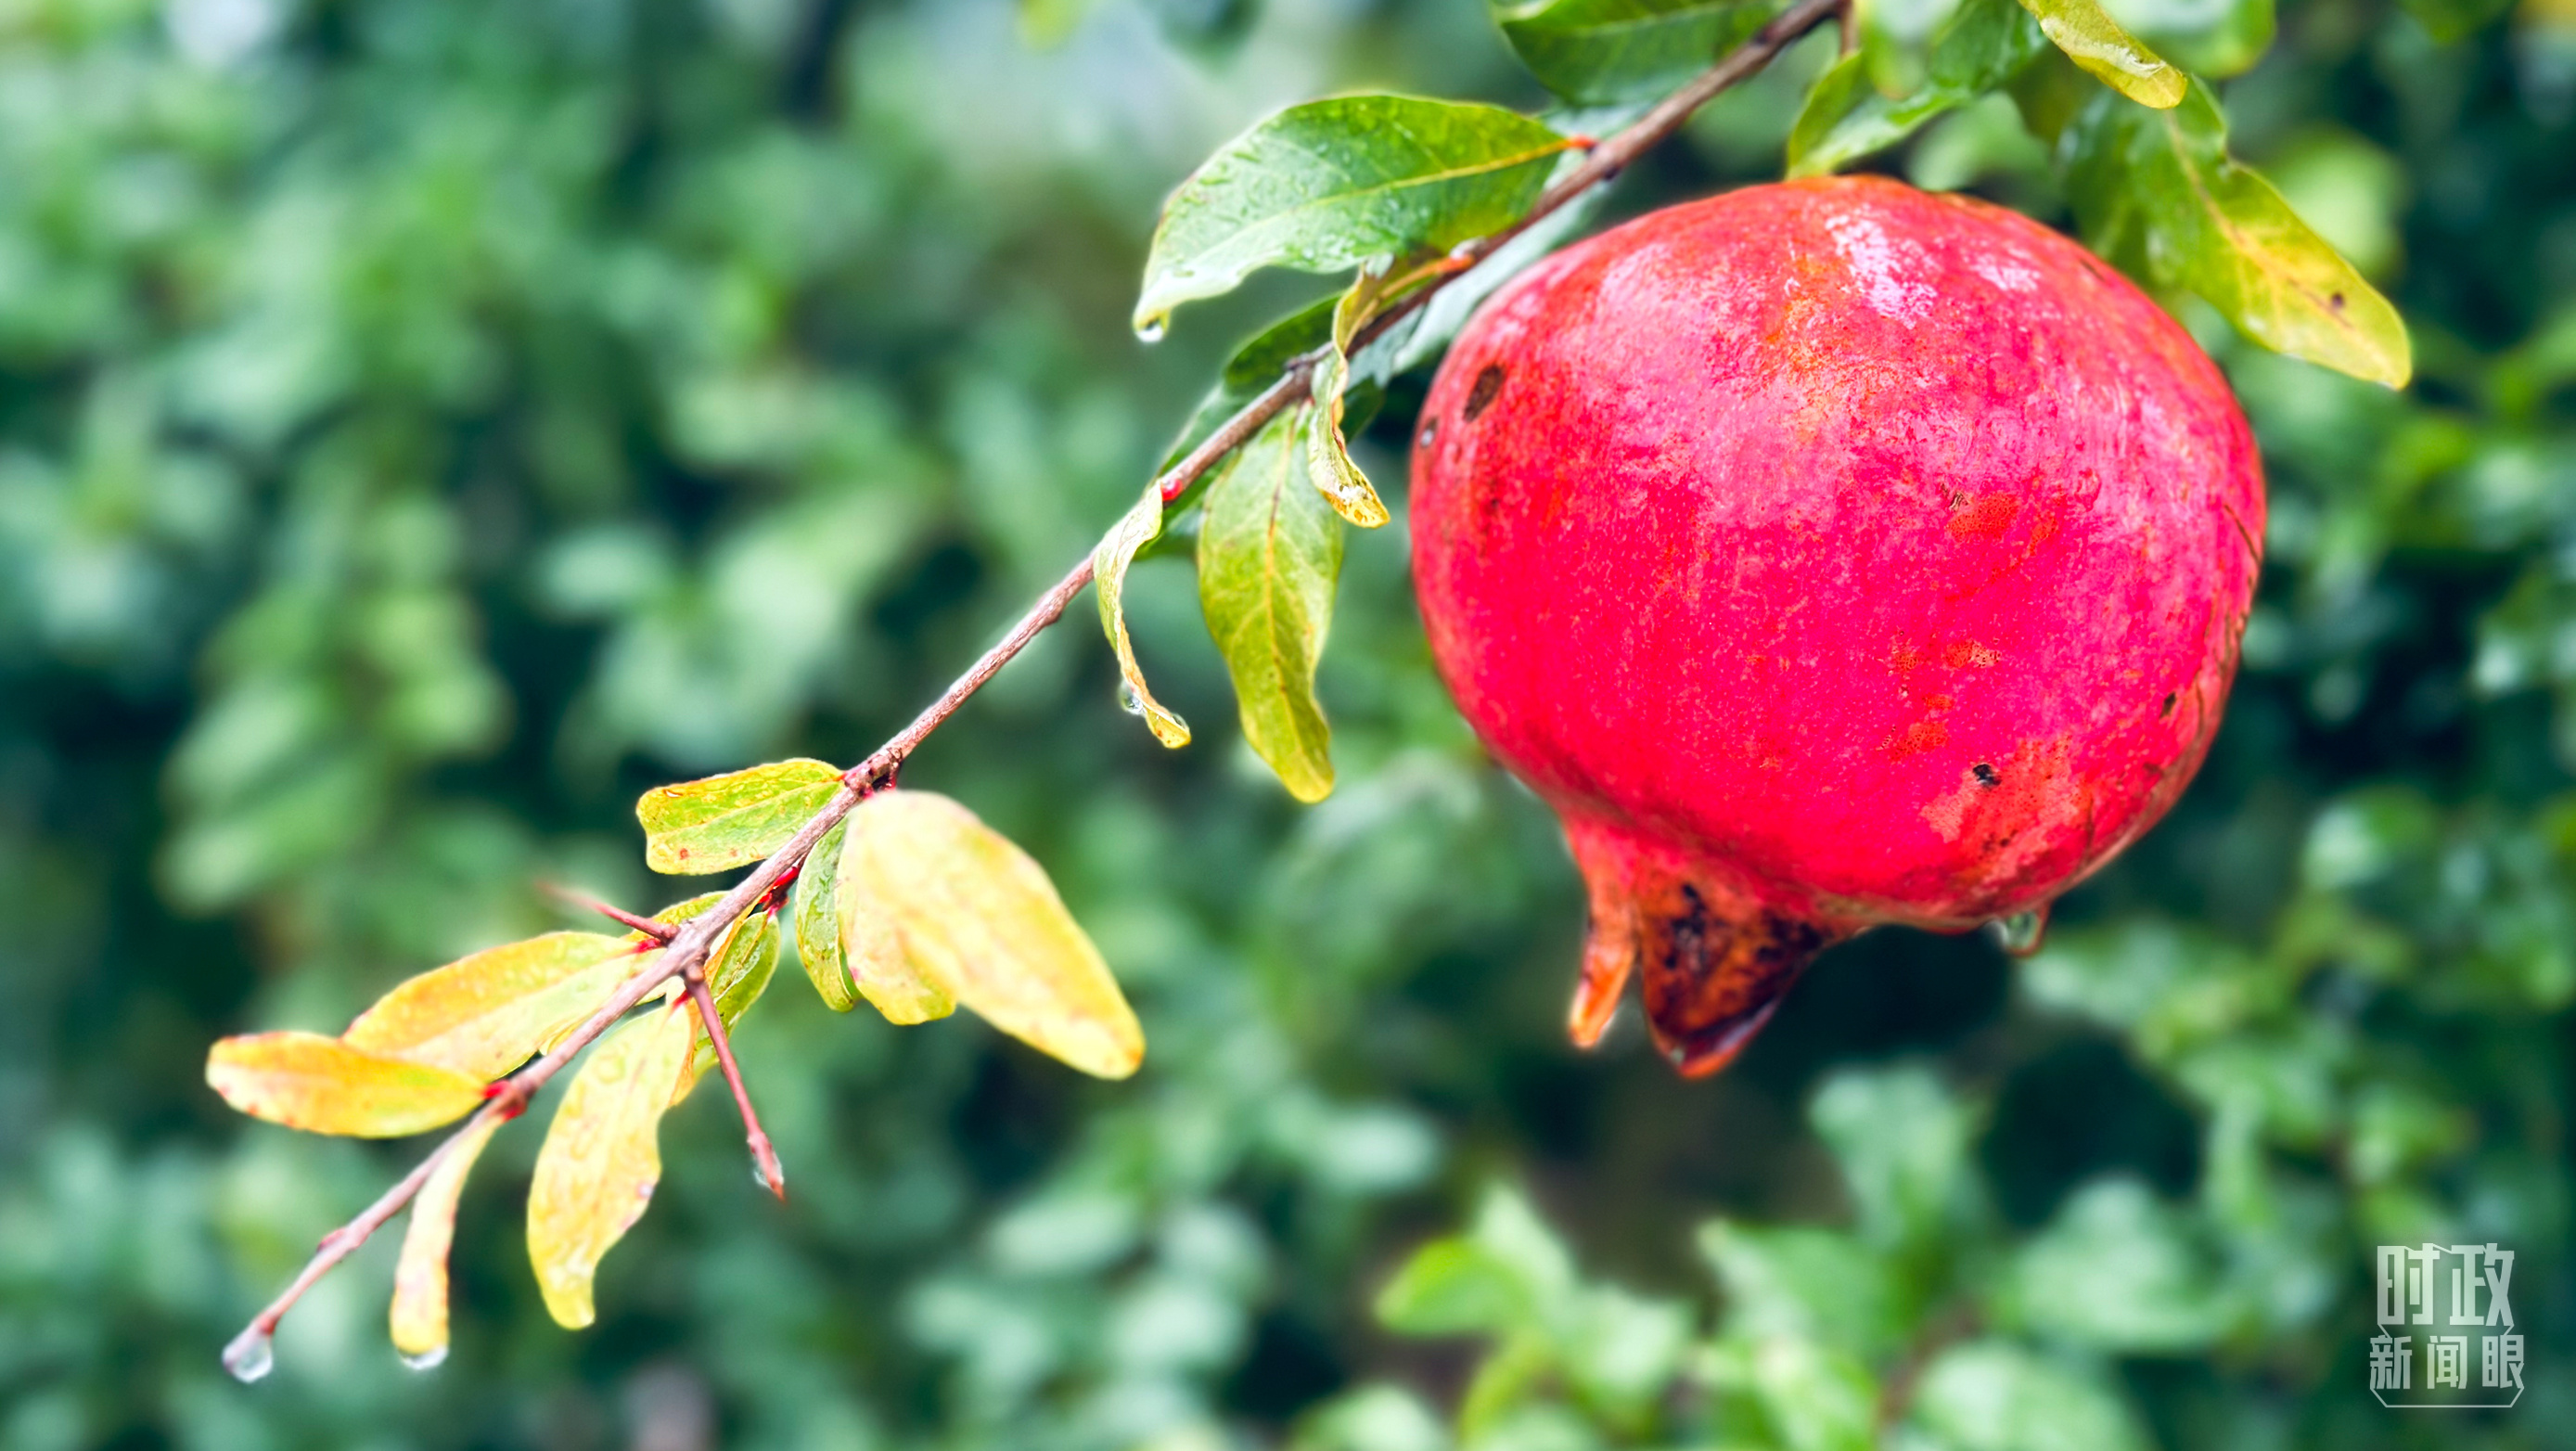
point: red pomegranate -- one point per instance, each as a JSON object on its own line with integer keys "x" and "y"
{"x": 1829, "y": 554}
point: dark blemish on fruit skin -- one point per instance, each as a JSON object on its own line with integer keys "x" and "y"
{"x": 2167, "y": 712}
{"x": 1481, "y": 396}
{"x": 1985, "y": 775}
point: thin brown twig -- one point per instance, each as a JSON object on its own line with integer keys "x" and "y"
{"x": 763, "y": 1157}
{"x": 685, "y": 952}
{"x": 658, "y": 931}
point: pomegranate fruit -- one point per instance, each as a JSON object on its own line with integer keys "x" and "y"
{"x": 1829, "y": 554}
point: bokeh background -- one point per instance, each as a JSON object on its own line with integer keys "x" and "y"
{"x": 425, "y": 424}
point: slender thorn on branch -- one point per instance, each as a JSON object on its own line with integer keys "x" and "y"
{"x": 685, "y": 951}
{"x": 763, "y": 1157}
{"x": 658, "y": 931}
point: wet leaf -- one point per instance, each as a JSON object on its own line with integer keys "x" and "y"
{"x": 419, "y": 1316}
{"x": 975, "y": 917}
{"x": 1109, "y": 581}
{"x": 1328, "y": 453}
{"x": 2158, "y": 194}
{"x": 1984, "y": 44}
{"x": 486, "y": 1014}
{"x": 324, "y": 1086}
{"x": 1600, "y": 51}
{"x": 872, "y": 946}
{"x": 1327, "y": 185}
{"x": 1270, "y": 550}
{"x": 601, "y": 1158}
{"x": 2095, "y": 41}
{"x": 731, "y": 820}
{"x": 815, "y": 903}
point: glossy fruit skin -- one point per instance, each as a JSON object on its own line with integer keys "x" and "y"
{"x": 1828, "y": 554}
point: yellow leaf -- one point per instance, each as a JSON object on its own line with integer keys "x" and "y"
{"x": 1109, "y": 582}
{"x": 731, "y": 820}
{"x": 601, "y": 1157}
{"x": 2095, "y": 41}
{"x": 873, "y": 947}
{"x": 486, "y": 1014}
{"x": 1328, "y": 456}
{"x": 979, "y": 920}
{"x": 419, "y": 1317}
{"x": 324, "y": 1086}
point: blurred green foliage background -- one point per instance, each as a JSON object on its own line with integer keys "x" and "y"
{"x": 424, "y": 424}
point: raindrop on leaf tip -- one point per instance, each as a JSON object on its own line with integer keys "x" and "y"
{"x": 2021, "y": 933}
{"x": 430, "y": 1359}
{"x": 1151, "y": 330}
{"x": 251, "y": 1356}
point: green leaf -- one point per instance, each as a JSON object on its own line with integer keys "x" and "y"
{"x": 815, "y": 904}
{"x": 324, "y": 1086}
{"x": 1109, "y": 564}
{"x": 1597, "y": 51}
{"x": 1270, "y": 549}
{"x": 1988, "y": 1395}
{"x": 418, "y": 1320}
{"x": 729, "y": 821}
{"x": 1508, "y": 1274}
{"x": 486, "y": 1014}
{"x": 2095, "y": 41}
{"x": 1902, "y": 1141}
{"x": 1328, "y": 185}
{"x": 1985, "y": 44}
{"x": 602, "y": 1156}
{"x": 2157, "y": 193}
{"x": 975, "y": 917}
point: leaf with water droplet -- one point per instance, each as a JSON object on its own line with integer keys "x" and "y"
{"x": 1325, "y": 186}
{"x": 251, "y": 1356}
{"x": 418, "y": 1320}
{"x": 487, "y": 1013}
{"x": 815, "y": 906}
{"x": 2021, "y": 933}
{"x": 1270, "y": 552}
{"x": 601, "y": 1158}
{"x": 2158, "y": 195}
{"x": 731, "y": 820}
{"x": 1109, "y": 564}
{"x": 974, "y": 916}
{"x": 324, "y": 1086}
{"x": 2098, "y": 43}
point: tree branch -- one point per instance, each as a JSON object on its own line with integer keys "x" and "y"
{"x": 685, "y": 952}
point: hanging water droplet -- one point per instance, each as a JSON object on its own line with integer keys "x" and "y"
{"x": 1151, "y": 330}
{"x": 430, "y": 1359}
{"x": 2021, "y": 933}
{"x": 251, "y": 1355}
{"x": 1128, "y": 700}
